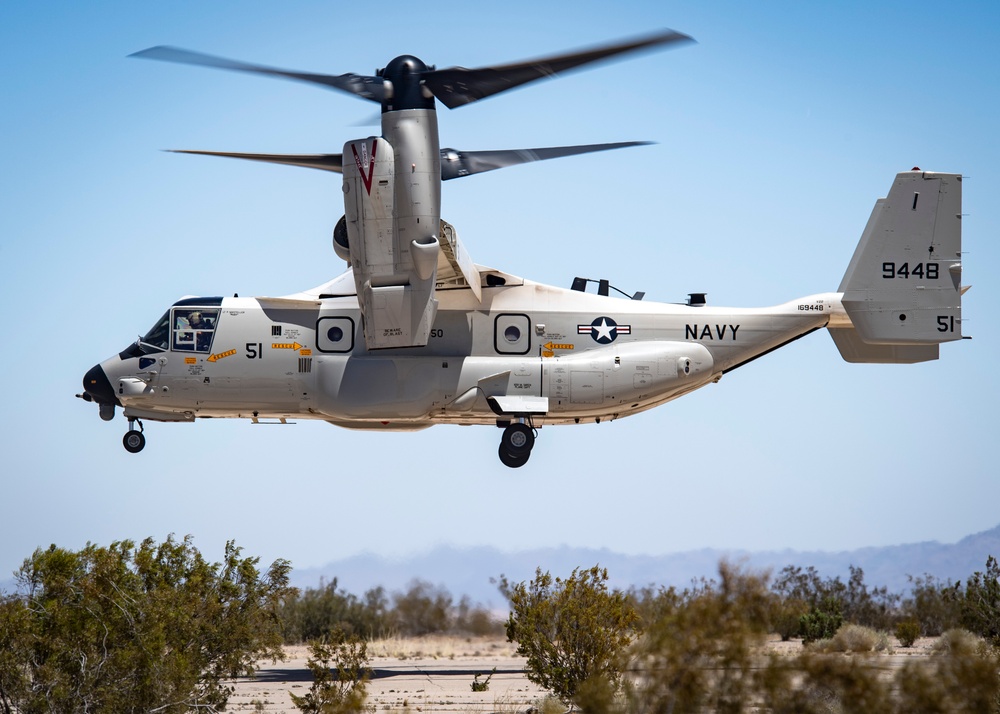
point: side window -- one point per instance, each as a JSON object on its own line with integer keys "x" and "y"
{"x": 193, "y": 329}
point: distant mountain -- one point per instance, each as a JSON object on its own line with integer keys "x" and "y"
{"x": 467, "y": 571}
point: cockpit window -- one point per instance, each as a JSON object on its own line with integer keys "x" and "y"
{"x": 193, "y": 328}
{"x": 159, "y": 336}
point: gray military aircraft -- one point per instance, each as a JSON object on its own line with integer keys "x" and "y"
{"x": 416, "y": 334}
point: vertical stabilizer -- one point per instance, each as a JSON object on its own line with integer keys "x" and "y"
{"x": 903, "y": 288}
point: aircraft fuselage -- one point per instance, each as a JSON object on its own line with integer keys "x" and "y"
{"x": 585, "y": 357}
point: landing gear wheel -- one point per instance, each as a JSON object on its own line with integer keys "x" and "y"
{"x": 514, "y": 462}
{"x": 517, "y": 440}
{"x": 133, "y": 441}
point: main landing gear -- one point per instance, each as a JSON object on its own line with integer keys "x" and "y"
{"x": 133, "y": 441}
{"x": 516, "y": 444}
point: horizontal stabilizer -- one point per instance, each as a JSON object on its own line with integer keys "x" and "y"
{"x": 854, "y": 349}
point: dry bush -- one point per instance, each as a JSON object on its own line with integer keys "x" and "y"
{"x": 960, "y": 676}
{"x": 856, "y": 639}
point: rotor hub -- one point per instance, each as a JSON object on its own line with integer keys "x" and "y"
{"x": 405, "y": 75}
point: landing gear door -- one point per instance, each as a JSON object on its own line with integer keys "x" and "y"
{"x": 512, "y": 334}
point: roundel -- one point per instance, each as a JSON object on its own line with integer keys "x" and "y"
{"x": 604, "y": 330}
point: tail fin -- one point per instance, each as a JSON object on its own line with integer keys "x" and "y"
{"x": 902, "y": 289}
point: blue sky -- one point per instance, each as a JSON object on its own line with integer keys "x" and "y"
{"x": 775, "y": 134}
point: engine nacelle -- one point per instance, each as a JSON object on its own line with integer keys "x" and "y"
{"x": 341, "y": 243}
{"x": 627, "y": 374}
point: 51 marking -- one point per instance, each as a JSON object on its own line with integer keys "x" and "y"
{"x": 946, "y": 323}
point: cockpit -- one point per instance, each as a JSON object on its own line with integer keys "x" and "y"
{"x": 188, "y": 326}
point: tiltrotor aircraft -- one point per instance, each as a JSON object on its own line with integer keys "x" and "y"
{"x": 417, "y": 334}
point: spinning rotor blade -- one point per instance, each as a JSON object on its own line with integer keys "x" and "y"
{"x": 457, "y": 86}
{"x": 324, "y": 162}
{"x": 371, "y": 88}
{"x": 455, "y": 164}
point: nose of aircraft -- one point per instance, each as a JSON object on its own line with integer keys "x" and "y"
{"x": 97, "y": 386}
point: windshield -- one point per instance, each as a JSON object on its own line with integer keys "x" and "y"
{"x": 159, "y": 336}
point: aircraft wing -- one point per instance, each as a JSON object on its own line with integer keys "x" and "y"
{"x": 455, "y": 267}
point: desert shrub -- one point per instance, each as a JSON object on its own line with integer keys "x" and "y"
{"x": 907, "y": 632}
{"x": 135, "y": 629}
{"x": 960, "y": 676}
{"x": 933, "y": 604}
{"x": 484, "y": 685}
{"x": 422, "y": 609}
{"x": 980, "y": 603}
{"x": 822, "y": 621}
{"x": 875, "y": 608}
{"x": 571, "y": 630}
{"x": 786, "y": 615}
{"x": 474, "y": 620}
{"x": 698, "y": 651}
{"x": 854, "y": 638}
{"x": 797, "y": 593}
{"x": 340, "y": 668}
{"x": 814, "y": 683}
{"x": 316, "y": 613}
{"x": 806, "y": 590}
{"x": 794, "y": 583}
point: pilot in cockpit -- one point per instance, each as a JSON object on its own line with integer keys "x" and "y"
{"x": 197, "y": 321}
{"x": 193, "y": 331}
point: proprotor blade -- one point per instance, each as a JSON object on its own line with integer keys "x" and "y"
{"x": 455, "y": 164}
{"x": 325, "y": 162}
{"x": 456, "y": 86}
{"x": 371, "y": 88}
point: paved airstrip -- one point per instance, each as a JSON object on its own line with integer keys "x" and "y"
{"x": 420, "y": 675}
{"x": 430, "y": 675}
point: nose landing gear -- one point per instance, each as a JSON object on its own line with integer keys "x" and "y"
{"x": 516, "y": 444}
{"x": 134, "y": 441}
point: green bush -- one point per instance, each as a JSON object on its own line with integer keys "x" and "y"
{"x": 421, "y": 610}
{"x": 907, "y": 632}
{"x": 317, "y": 613}
{"x": 135, "y": 629}
{"x": 786, "y": 616}
{"x": 822, "y": 621}
{"x": 980, "y": 603}
{"x": 341, "y": 693}
{"x": 571, "y": 630}
{"x": 933, "y": 605}
{"x": 483, "y": 686}
{"x": 698, "y": 652}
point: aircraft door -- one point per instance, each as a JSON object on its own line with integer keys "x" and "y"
{"x": 512, "y": 334}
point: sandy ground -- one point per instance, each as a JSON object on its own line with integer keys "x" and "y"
{"x": 435, "y": 675}
{"x": 417, "y": 675}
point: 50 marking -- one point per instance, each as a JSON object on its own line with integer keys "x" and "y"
{"x": 919, "y": 270}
